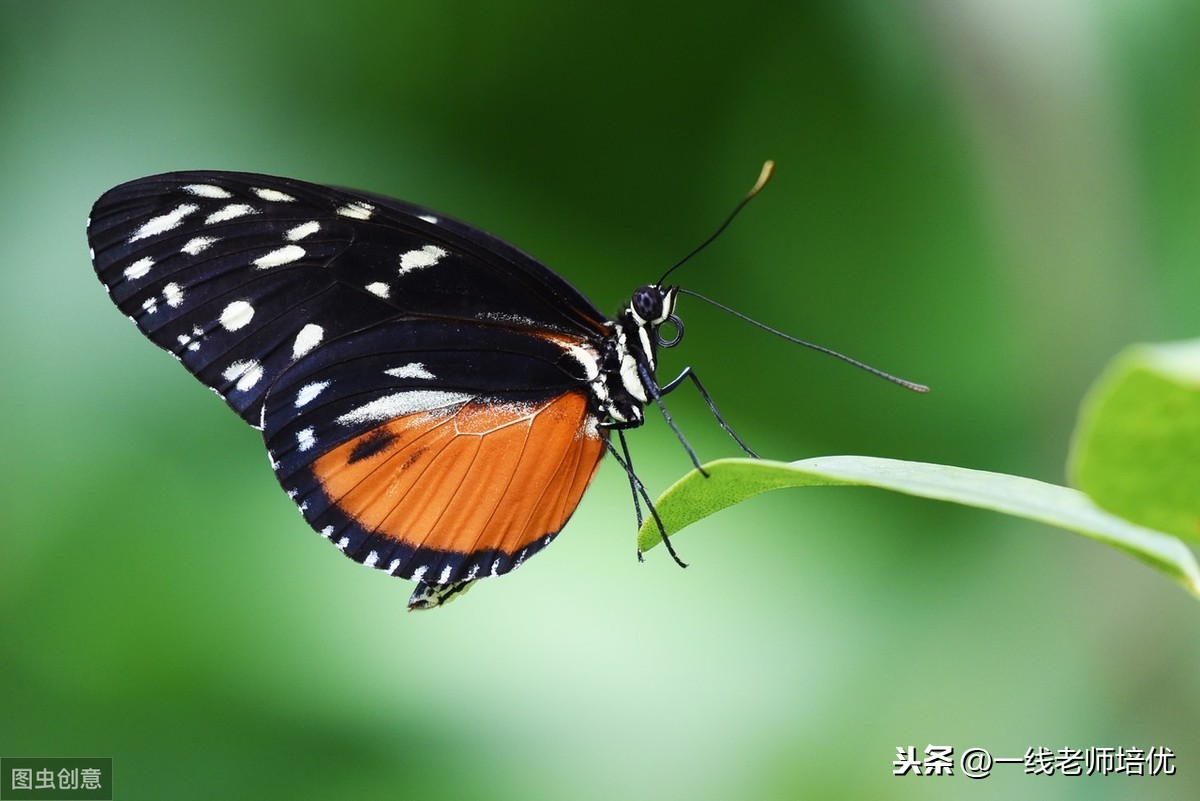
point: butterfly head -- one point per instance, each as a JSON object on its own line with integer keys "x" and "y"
{"x": 651, "y": 306}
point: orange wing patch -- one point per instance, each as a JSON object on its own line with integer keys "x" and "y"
{"x": 484, "y": 476}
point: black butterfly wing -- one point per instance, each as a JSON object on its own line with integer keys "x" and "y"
{"x": 440, "y": 451}
{"x": 239, "y": 275}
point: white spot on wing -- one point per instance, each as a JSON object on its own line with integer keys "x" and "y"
{"x": 372, "y": 559}
{"x": 230, "y": 212}
{"x": 206, "y": 190}
{"x": 236, "y": 315}
{"x": 445, "y": 577}
{"x": 277, "y": 258}
{"x": 192, "y": 341}
{"x": 195, "y": 246}
{"x": 273, "y": 195}
{"x": 164, "y": 222}
{"x": 395, "y": 563}
{"x": 139, "y": 268}
{"x": 251, "y": 377}
{"x": 357, "y": 210}
{"x": 413, "y": 370}
{"x": 343, "y": 544}
{"x": 401, "y": 403}
{"x": 173, "y": 295}
{"x": 419, "y": 573}
{"x": 379, "y": 288}
{"x": 327, "y": 532}
{"x": 309, "y": 392}
{"x": 150, "y": 306}
{"x": 309, "y": 337}
{"x": 302, "y": 230}
{"x": 422, "y": 257}
{"x": 246, "y": 372}
{"x": 305, "y": 439}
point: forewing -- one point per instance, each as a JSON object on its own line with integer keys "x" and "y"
{"x": 436, "y": 451}
{"x": 239, "y": 275}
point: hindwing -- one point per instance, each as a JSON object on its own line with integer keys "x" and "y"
{"x": 439, "y": 451}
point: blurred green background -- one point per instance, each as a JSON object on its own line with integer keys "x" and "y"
{"x": 990, "y": 197}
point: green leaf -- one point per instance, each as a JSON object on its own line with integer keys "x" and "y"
{"x": 1136, "y": 451}
{"x": 731, "y": 481}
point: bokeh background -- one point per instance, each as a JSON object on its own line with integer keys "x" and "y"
{"x": 990, "y": 197}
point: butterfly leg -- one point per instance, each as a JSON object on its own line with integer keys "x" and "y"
{"x": 656, "y": 393}
{"x": 628, "y": 463}
{"x": 638, "y": 488}
{"x": 712, "y": 407}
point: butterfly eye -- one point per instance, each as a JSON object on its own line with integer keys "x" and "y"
{"x": 647, "y": 303}
{"x": 672, "y": 341}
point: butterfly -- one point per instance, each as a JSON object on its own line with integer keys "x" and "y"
{"x": 434, "y": 400}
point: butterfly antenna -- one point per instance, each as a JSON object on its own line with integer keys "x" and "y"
{"x": 915, "y": 387}
{"x": 768, "y": 168}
